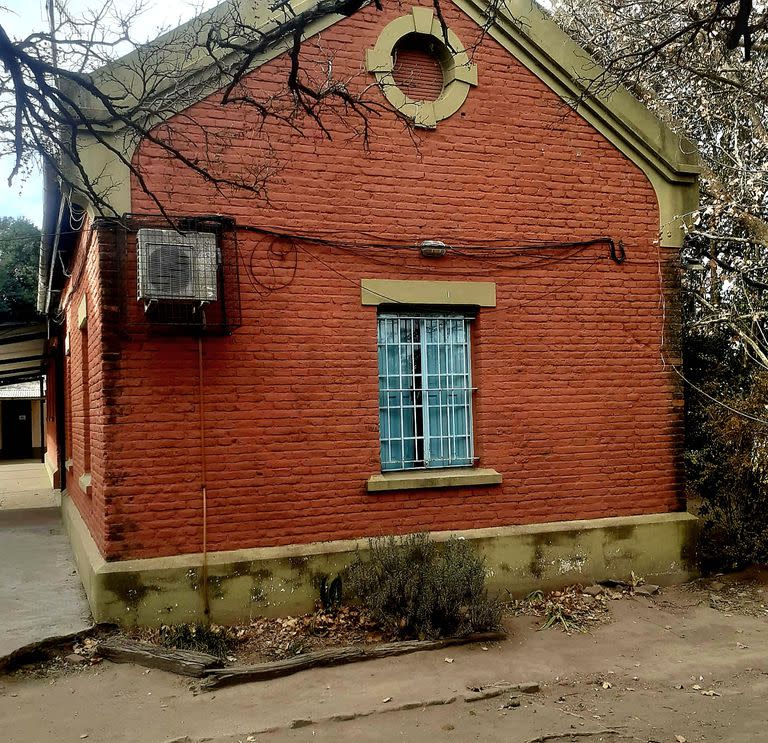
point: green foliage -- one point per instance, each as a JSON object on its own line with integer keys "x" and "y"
{"x": 212, "y": 639}
{"x": 418, "y": 588}
{"x": 19, "y": 249}
{"x": 727, "y": 454}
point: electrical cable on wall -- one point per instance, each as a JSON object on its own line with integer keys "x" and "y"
{"x": 494, "y": 253}
{"x": 569, "y": 251}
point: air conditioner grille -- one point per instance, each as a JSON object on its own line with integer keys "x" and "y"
{"x": 177, "y": 267}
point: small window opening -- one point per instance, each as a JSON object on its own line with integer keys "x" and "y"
{"x": 418, "y": 67}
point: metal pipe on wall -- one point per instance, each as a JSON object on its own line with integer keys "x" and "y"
{"x": 203, "y": 484}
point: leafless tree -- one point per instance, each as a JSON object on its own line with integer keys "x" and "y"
{"x": 130, "y": 88}
{"x": 703, "y": 67}
{"x": 86, "y": 80}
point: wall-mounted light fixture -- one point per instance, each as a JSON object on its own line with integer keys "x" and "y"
{"x": 433, "y": 248}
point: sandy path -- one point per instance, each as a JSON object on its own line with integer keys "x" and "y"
{"x": 651, "y": 647}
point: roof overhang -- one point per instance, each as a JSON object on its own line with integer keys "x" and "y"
{"x": 22, "y": 353}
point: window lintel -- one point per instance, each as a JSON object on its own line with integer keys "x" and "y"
{"x": 467, "y": 293}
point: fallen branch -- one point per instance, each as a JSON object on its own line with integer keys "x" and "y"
{"x": 216, "y": 678}
{"x": 572, "y": 734}
{"x": 183, "y": 662}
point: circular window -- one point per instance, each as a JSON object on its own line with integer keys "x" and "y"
{"x": 417, "y": 67}
{"x": 422, "y": 68}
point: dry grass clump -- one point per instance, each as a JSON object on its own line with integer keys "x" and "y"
{"x": 570, "y": 609}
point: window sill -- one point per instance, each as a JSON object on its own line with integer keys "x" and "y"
{"x": 442, "y": 478}
{"x": 85, "y": 483}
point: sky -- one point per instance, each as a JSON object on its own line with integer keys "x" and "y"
{"x": 24, "y": 198}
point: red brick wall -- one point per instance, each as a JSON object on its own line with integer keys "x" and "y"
{"x": 84, "y": 408}
{"x": 573, "y": 406}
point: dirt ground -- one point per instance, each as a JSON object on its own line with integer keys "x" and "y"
{"x": 689, "y": 664}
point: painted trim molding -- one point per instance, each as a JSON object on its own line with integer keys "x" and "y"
{"x": 390, "y": 291}
{"x": 82, "y": 313}
{"x": 436, "y": 478}
{"x": 52, "y": 469}
{"x": 84, "y": 481}
{"x": 277, "y": 581}
{"x": 459, "y": 74}
{"x": 668, "y": 160}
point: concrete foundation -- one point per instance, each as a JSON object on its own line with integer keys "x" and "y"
{"x": 276, "y": 581}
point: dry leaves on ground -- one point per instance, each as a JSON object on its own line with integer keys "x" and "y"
{"x": 571, "y": 609}
{"x": 283, "y": 637}
{"x": 273, "y": 638}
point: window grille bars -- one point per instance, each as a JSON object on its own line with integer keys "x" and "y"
{"x": 425, "y": 391}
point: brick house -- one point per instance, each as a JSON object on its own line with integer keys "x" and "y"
{"x": 466, "y": 327}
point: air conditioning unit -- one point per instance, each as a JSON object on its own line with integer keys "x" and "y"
{"x": 177, "y": 267}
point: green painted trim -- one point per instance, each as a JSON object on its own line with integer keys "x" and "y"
{"x": 521, "y": 27}
{"x": 275, "y": 581}
{"x": 88, "y": 559}
{"x": 181, "y": 48}
{"x": 84, "y": 481}
{"x": 82, "y": 313}
{"x": 466, "y": 293}
{"x": 458, "y": 71}
{"x": 670, "y": 162}
{"x": 442, "y": 478}
{"x": 52, "y": 469}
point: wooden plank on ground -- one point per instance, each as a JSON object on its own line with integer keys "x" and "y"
{"x": 183, "y": 662}
{"x": 216, "y": 678}
{"x": 37, "y": 650}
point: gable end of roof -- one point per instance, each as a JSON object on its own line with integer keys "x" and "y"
{"x": 520, "y": 26}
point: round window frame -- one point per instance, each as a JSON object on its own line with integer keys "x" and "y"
{"x": 460, "y": 75}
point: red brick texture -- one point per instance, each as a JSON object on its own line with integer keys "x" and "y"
{"x": 416, "y": 71}
{"x": 573, "y": 405}
{"x": 86, "y": 364}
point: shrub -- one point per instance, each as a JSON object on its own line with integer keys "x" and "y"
{"x": 418, "y": 588}
{"x": 727, "y": 456}
{"x": 212, "y": 639}
{"x": 730, "y": 478}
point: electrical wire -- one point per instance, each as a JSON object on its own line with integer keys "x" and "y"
{"x": 616, "y": 250}
{"x": 496, "y": 252}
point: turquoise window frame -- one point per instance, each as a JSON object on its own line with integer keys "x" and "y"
{"x": 425, "y": 390}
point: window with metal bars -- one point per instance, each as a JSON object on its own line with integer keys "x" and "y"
{"x": 425, "y": 391}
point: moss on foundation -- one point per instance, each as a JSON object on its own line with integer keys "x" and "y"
{"x": 278, "y": 581}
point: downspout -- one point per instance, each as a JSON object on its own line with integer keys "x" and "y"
{"x": 54, "y": 204}
{"x": 48, "y": 244}
{"x": 42, "y": 269}
{"x": 203, "y": 484}
{"x": 52, "y": 198}
{"x": 54, "y": 253}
